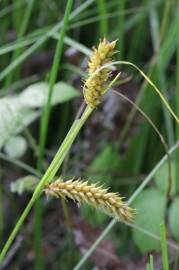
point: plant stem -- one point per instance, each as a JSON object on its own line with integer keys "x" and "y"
{"x": 48, "y": 176}
{"x": 177, "y": 105}
{"x": 164, "y": 247}
{"x": 1, "y": 211}
{"x": 53, "y": 77}
{"x": 121, "y": 27}
{"x": 44, "y": 128}
{"x": 151, "y": 262}
{"x": 20, "y": 34}
{"x": 162, "y": 97}
{"x": 103, "y": 23}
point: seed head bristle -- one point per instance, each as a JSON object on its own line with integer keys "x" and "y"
{"x": 94, "y": 86}
{"x": 96, "y": 196}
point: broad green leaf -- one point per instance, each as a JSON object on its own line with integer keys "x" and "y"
{"x": 150, "y": 207}
{"x": 13, "y": 119}
{"x": 15, "y": 147}
{"x": 18, "y": 111}
{"x": 174, "y": 218}
{"x": 23, "y": 184}
{"x": 35, "y": 96}
{"x": 161, "y": 178}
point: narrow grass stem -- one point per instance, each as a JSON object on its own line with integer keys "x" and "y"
{"x": 160, "y": 74}
{"x": 53, "y": 77}
{"x": 177, "y": 107}
{"x": 43, "y": 132}
{"x": 121, "y": 26}
{"x": 10, "y": 8}
{"x": 155, "y": 88}
{"x": 1, "y": 212}
{"x": 103, "y": 23}
{"x": 21, "y": 31}
{"x": 151, "y": 262}
{"x": 165, "y": 145}
{"x": 164, "y": 247}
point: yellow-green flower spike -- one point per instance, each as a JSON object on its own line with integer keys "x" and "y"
{"x": 94, "y": 85}
{"x": 83, "y": 192}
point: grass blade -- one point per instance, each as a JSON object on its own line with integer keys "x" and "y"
{"x": 21, "y": 32}
{"x": 43, "y": 131}
{"x": 103, "y": 23}
{"x": 164, "y": 247}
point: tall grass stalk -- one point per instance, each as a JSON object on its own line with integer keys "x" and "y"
{"x": 1, "y": 212}
{"x": 103, "y": 23}
{"x": 44, "y": 128}
{"x": 150, "y": 265}
{"x": 160, "y": 70}
{"x": 52, "y": 80}
{"x": 121, "y": 26}
{"x": 176, "y": 263}
{"x": 177, "y": 105}
{"x": 20, "y": 33}
{"x": 10, "y": 8}
{"x": 151, "y": 262}
{"x": 165, "y": 19}
{"x": 164, "y": 247}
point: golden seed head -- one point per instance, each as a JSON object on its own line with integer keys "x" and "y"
{"x": 95, "y": 84}
{"x": 96, "y": 196}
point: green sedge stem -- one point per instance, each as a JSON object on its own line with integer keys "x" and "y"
{"x": 53, "y": 76}
{"x": 43, "y": 131}
{"x": 164, "y": 247}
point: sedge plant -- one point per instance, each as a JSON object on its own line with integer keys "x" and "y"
{"x": 95, "y": 86}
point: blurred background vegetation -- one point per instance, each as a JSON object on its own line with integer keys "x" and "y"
{"x": 117, "y": 147}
